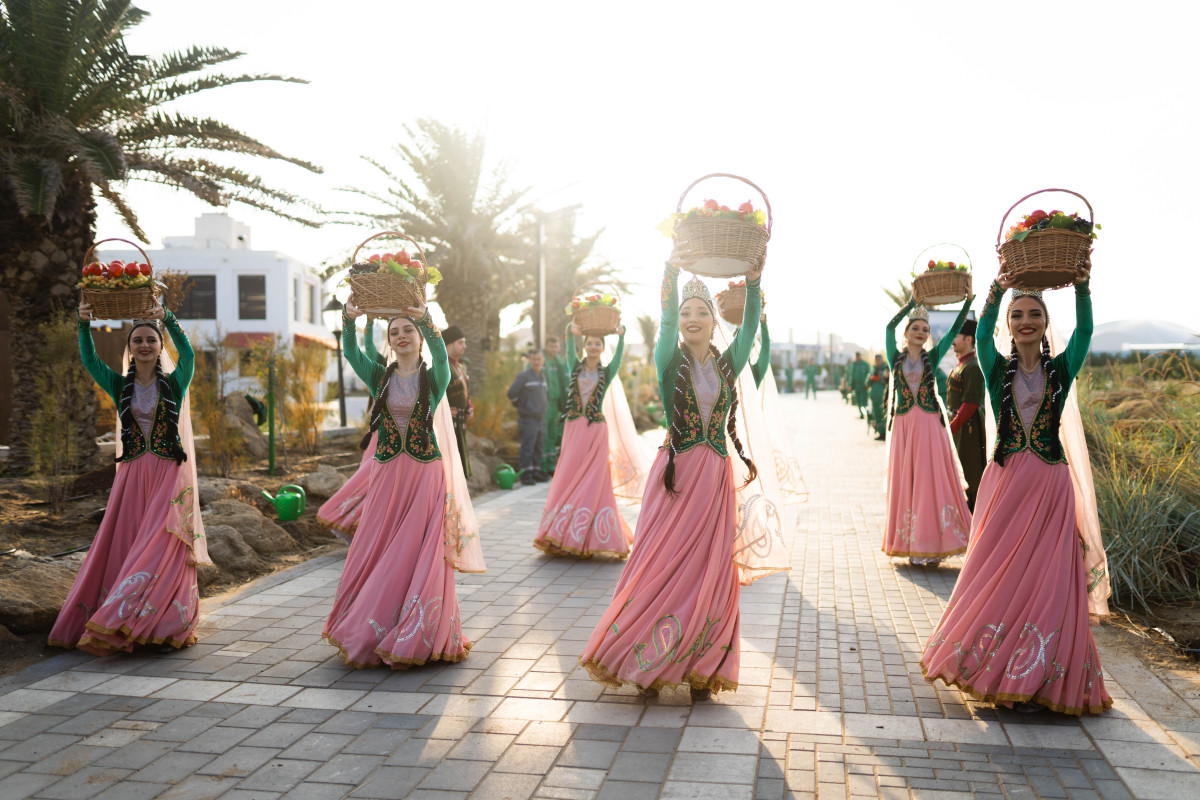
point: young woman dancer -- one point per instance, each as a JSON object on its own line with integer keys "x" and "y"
{"x": 928, "y": 518}
{"x": 674, "y": 615}
{"x": 1016, "y": 628}
{"x": 396, "y": 602}
{"x": 138, "y": 582}
{"x": 581, "y": 517}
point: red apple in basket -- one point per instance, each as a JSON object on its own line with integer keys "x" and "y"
{"x": 374, "y": 259}
{"x": 746, "y": 208}
{"x": 403, "y": 257}
{"x": 711, "y": 204}
{"x": 144, "y": 269}
{"x": 93, "y": 268}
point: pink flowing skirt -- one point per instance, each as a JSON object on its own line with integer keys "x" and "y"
{"x": 674, "y": 615}
{"x": 927, "y": 507}
{"x": 396, "y": 602}
{"x": 581, "y": 516}
{"x": 1016, "y": 628}
{"x": 341, "y": 512}
{"x": 135, "y": 585}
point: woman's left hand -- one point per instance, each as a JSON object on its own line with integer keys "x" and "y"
{"x": 158, "y": 312}
{"x": 754, "y": 274}
{"x": 1084, "y": 276}
{"x": 620, "y": 330}
{"x": 416, "y": 312}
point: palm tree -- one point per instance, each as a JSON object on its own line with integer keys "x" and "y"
{"x": 464, "y": 219}
{"x": 900, "y": 296}
{"x": 79, "y": 115}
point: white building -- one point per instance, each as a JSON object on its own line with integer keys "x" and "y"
{"x": 248, "y": 295}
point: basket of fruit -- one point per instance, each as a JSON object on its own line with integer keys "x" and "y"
{"x": 718, "y": 241}
{"x": 942, "y": 282}
{"x": 731, "y": 302}
{"x": 596, "y": 313}
{"x": 1046, "y": 251}
{"x": 387, "y": 284}
{"x": 117, "y": 290}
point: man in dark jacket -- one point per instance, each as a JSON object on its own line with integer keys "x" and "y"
{"x": 529, "y": 393}
{"x": 964, "y": 400}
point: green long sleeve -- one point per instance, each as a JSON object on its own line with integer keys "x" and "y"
{"x": 369, "y": 348}
{"x": 943, "y": 346}
{"x": 572, "y": 353}
{"x": 104, "y": 375}
{"x": 1081, "y": 338}
{"x": 763, "y": 364}
{"x": 889, "y": 336}
{"x": 181, "y": 377}
{"x": 738, "y": 351}
{"x": 668, "y": 328}
{"x": 614, "y": 366}
{"x": 368, "y": 370}
{"x": 439, "y": 362}
{"x": 985, "y": 330}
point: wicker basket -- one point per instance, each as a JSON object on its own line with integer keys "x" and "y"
{"x": 941, "y": 287}
{"x": 720, "y": 247}
{"x": 1047, "y": 259}
{"x": 731, "y": 304}
{"x": 119, "y": 303}
{"x": 386, "y": 295}
{"x": 597, "y": 320}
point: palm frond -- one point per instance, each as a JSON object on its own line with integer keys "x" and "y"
{"x": 36, "y": 183}
{"x": 127, "y": 215}
{"x": 180, "y": 132}
{"x": 159, "y": 94}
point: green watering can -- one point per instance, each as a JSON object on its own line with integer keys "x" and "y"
{"x": 504, "y": 476}
{"x": 289, "y": 503}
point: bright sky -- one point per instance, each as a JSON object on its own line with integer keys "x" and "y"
{"x": 876, "y": 128}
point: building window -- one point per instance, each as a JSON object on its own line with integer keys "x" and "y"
{"x": 252, "y": 296}
{"x": 313, "y": 306}
{"x": 200, "y": 298}
{"x": 296, "y": 299}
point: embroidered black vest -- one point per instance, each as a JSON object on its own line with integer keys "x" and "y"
{"x": 691, "y": 424}
{"x": 575, "y": 406}
{"x": 418, "y": 440}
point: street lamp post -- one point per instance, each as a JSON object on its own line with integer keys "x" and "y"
{"x": 335, "y": 305}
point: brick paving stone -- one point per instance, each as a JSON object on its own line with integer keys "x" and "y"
{"x": 832, "y": 701}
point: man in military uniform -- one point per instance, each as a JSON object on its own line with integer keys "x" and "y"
{"x": 458, "y": 393}
{"x": 964, "y": 397}
{"x": 557, "y": 378}
{"x": 811, "y": 370}
{"x": 878, "y": 385}
{"x": 860, "y": 370}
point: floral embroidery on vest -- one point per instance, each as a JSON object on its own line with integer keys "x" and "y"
{"x": 160, "y": 443}
{"x": 691, "y": 425}
{"x": 926, "y": 397}
{"x": 575, "y": 406}
{"x": 1039, "y": 439}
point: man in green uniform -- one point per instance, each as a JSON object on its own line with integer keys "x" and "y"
{"x": 790, "y": 372}
{"x": 811, "y": 370}
{"x": 841, "y": 377}
{"x": 878, "y": 386}
{"x": 859, "y": 371}
{"x": 965, "y": 402}
{"x": 557, "y": 378}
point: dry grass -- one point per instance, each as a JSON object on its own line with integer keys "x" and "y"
{"x": 1142, "y": 423}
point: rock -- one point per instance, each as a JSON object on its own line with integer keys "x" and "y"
{"x": 98, "y": 481}
{"x": 213, "y": 489}
{"x": 260, "y": 533}
{"x": 34, "y": 591}
{"x": 233, "y": 557}
{"x": 322, "y": 483}
{"x": 207, "y": 574}
{"x": 477, "y": 444}
{"x": 7, "y": 636}
{"x": 239, "y": 414}
{"x": 308, "y": 532}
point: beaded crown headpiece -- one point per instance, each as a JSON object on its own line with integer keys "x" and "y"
{"x": 919, "y": 313}
{"x": 695, "y": 288}
{"x": 1035, "y": 294}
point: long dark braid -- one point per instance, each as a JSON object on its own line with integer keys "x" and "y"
{"x": 679, "y": 404}
{"x": 1008, "y": 402}
{"x": 165, "y": 396}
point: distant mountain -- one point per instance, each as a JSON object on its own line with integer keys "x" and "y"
{"x": 1111, "y": 337}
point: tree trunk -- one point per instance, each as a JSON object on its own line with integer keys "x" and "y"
{"x": 468, "y": 305}
{"x": 40, "y": 261}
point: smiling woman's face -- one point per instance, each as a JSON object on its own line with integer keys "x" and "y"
{"x": 145, "y": 344}
{"x": 1027, "y": 320}
{"x": 917, "y": 332}
{"x": 696, "y": 322}
{"x": 403, "y": 336}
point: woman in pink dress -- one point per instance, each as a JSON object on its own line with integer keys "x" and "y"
{"x": 341, "y": 512}
{"x": 928, "y": 518}
{"x": 138, "y": 582}
{"x": 396, "y": 602}
{"x": 674, "y": 615}
{"x": 581, "y": 517}
{"x": 1016, "y": 630}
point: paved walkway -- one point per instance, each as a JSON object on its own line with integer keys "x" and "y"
{"x": 831, "y": 704}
